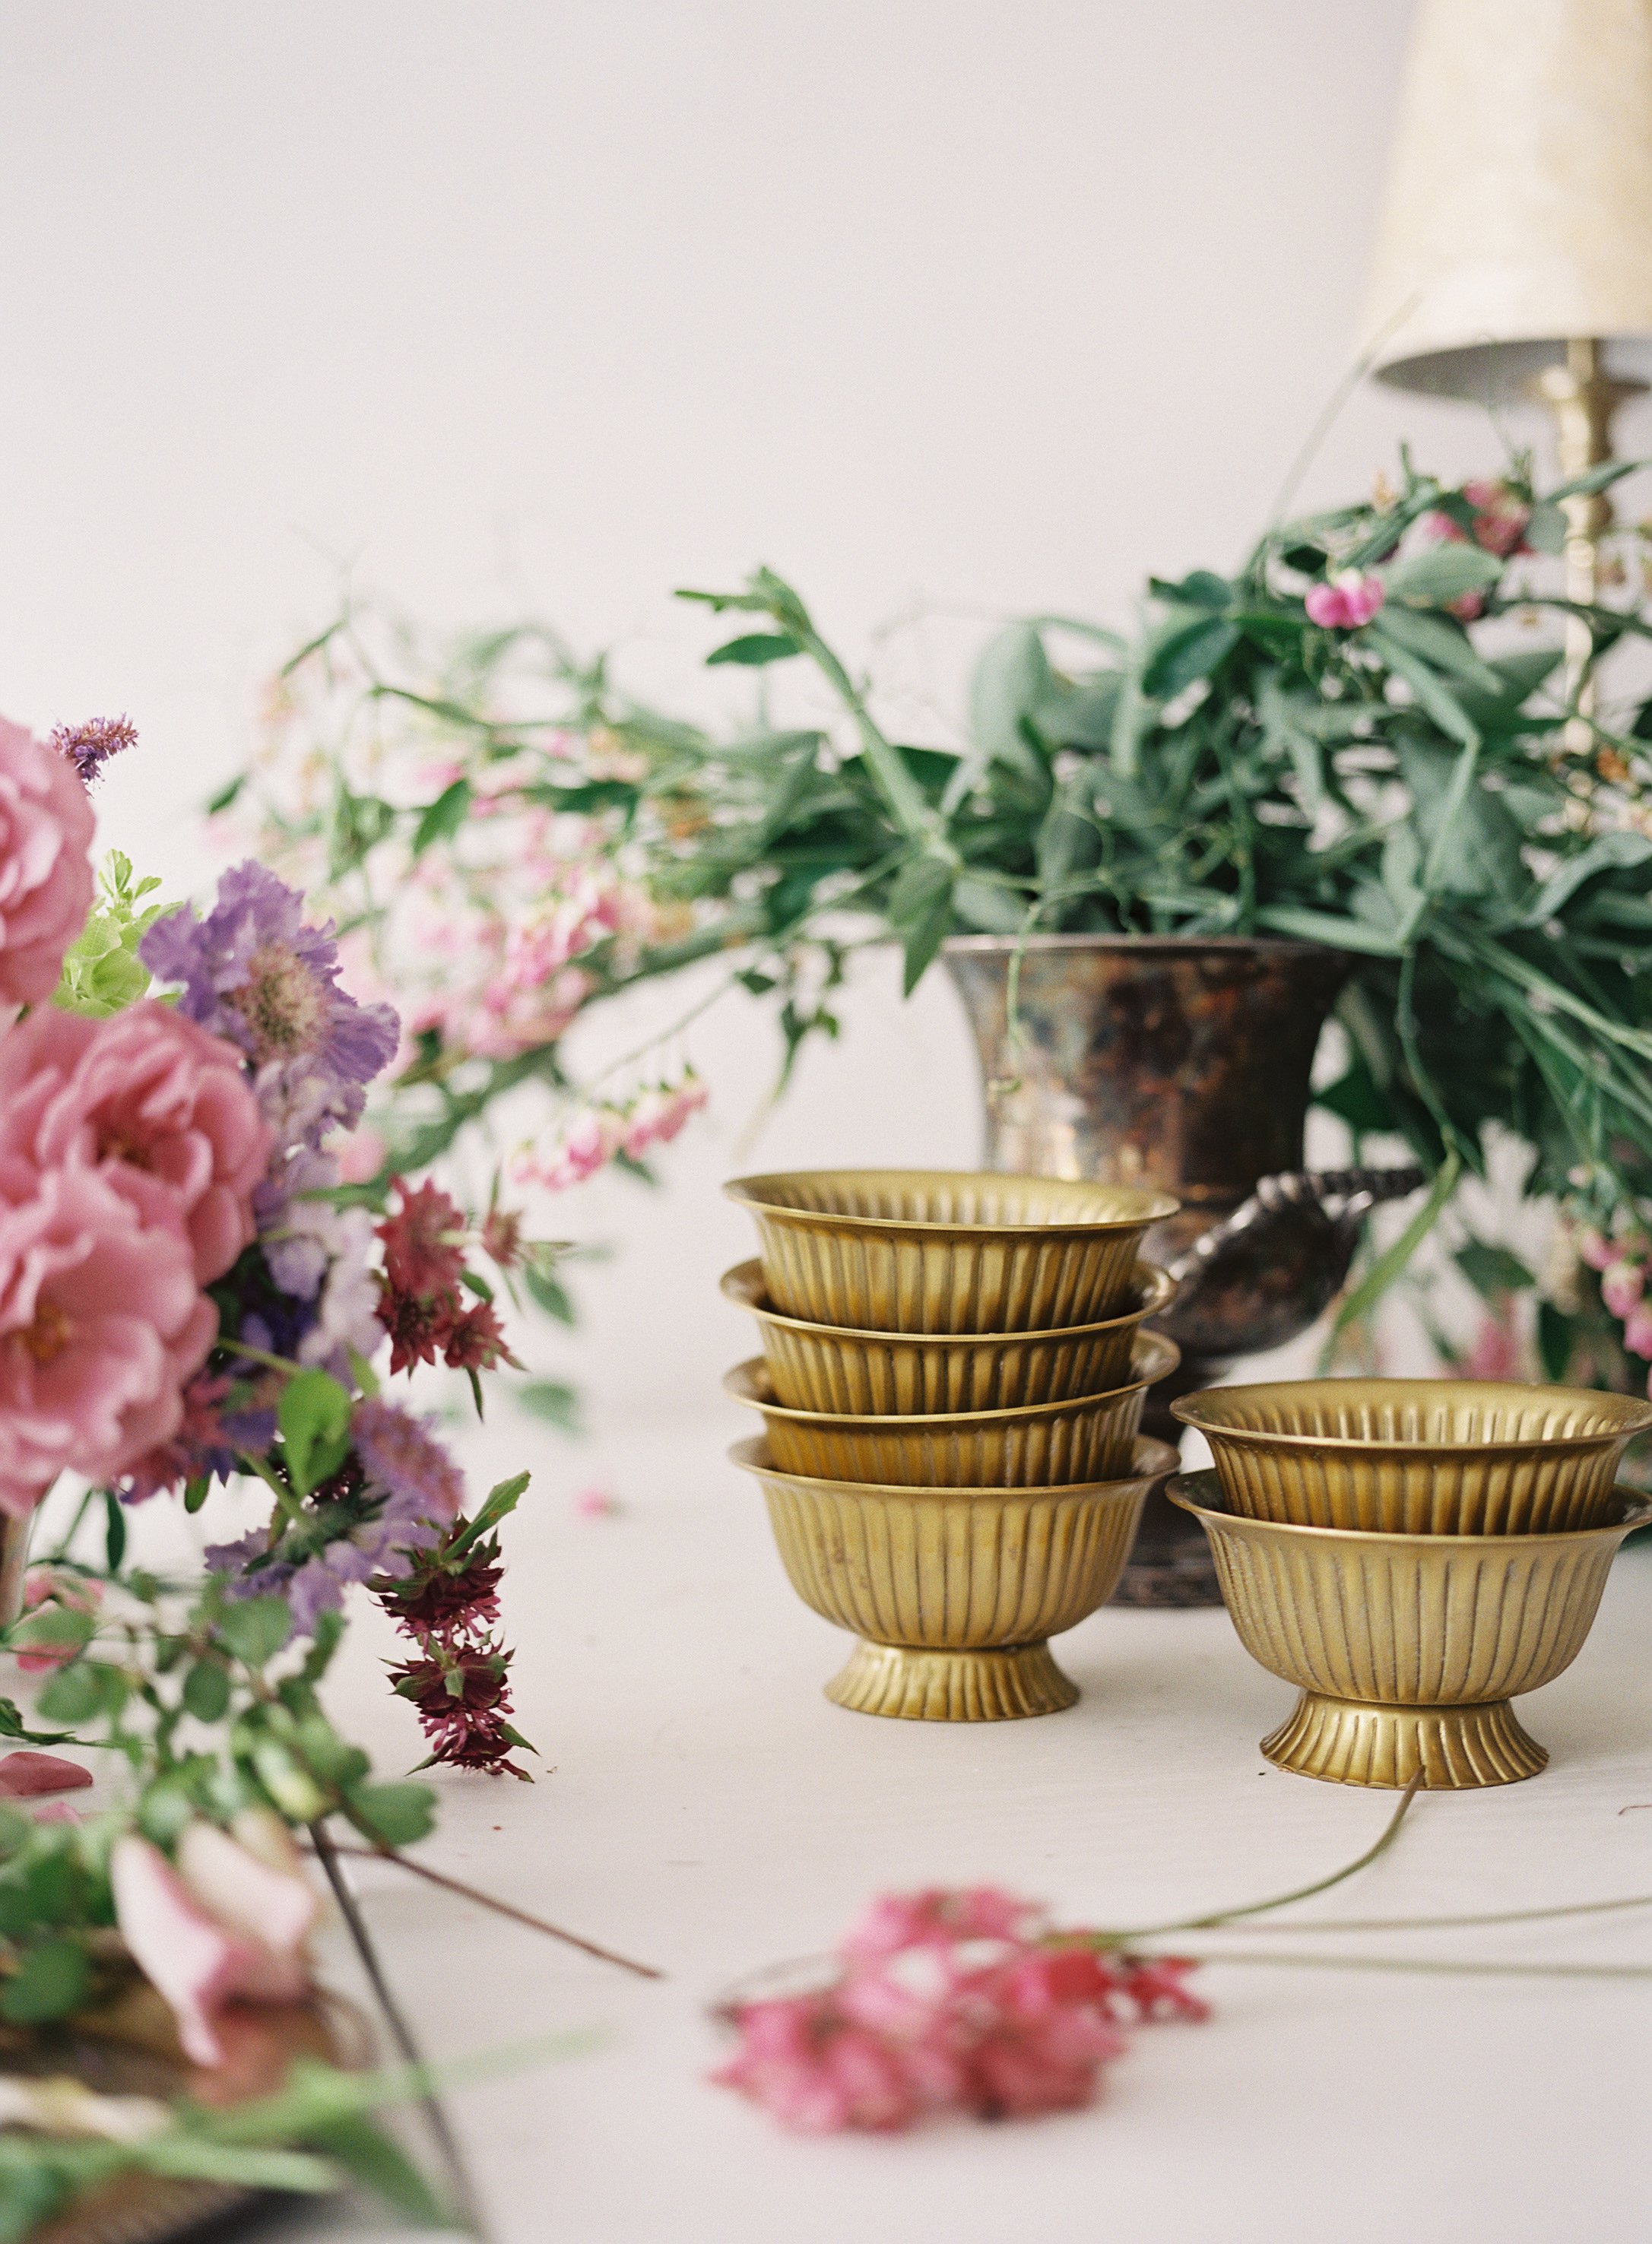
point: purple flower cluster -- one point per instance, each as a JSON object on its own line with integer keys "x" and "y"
{"x": 89, "y": 747}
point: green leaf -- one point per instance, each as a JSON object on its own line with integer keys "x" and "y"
{"x": 1011, "y": 676}
{"x": 114, "y": 1530}
{"x": 1442, "y": 573}
{"x": 51, "y": 1978}
{"x": 1392, "y": 1263}
{"x": 313, "y": 1415}
{"x": 197, "y": 1492}
{"x": 1433, "y": 695}
{"x": 1325, "y": 926}
{"x": 255, "y": 1629}
{"x": 1186, "y": 654}
{"x": 1492, "y": 1271}
{"x": 207, "y": 1691}
{"x": 443, "y": 817}
{"x": 553, "y": 1401}
{"x": 73, "y": 1695}
{"x": 1444, "y": 642}
{"x": 1546, "y": 531}
{"x": 379, "y": 2164}
{"x": 754, "y": 649}
{"x": 1617, "y": 851}
{"x": 549, "y": 1292}
{"x": 502, "y": 1499}
{"x": 397, "y": 1814}
{"x": 51, "y": 1628}
{"x": 1595, "y": 479}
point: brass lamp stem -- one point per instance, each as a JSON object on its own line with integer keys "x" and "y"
{"x": 1582, "y": 399}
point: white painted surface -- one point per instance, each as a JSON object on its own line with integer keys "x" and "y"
{"x": 707, "y": 1809}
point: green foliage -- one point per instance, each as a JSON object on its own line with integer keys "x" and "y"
{"x": 103, "y": 973}
{"x": 313, "y": 1415}
{"x": 551, "y": 1400}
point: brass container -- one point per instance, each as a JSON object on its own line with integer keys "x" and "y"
{"x": 1418, "y": 1456}
{"x": 1407, "y": 1649}
{"x": 1040, "y": 1445}
{"x": 883, "y": 1374}
{"x": 953, "y": 1592}
{"x": 946, "y": 1251}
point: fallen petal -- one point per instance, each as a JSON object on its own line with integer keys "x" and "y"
{"x": 23, "y": 1774}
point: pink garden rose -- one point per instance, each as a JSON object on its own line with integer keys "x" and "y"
{"x": 162, "y": 1107}
{"x": 45, "y": 864}
{"x": 101, "y": 1323}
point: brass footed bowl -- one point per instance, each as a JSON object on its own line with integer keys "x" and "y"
{"x": 1418, "y": 1456}
{"x": 946, "y": 1251}
{"x": 953, "y": 1592}
{"x": 882, "y": 1374}
{"x": 1040, "y": 1445}
{"x": 1407, "y": 1649}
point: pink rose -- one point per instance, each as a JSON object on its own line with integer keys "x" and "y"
{"x": 45, "y": 864}
{"x": 162, "y": 1107}
{"x": 229, "y": 1922}
{"x": 101, "y": 1323}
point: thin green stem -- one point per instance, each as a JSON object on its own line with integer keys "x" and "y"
{"x": 1444, "y": 1923}
{"x": 1443, "y": 1967}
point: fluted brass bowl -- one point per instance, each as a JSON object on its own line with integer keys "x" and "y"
{"x": 1407, "y": 1649}
{"x": 954, "y": 1592}
{"x": 882, "y": 1374}
{"x": 1418, "y": 1457}
{"x": 1040, "y": 1445}
{"x": 946, "y": 1251}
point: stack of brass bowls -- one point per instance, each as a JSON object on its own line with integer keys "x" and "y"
{"x": 1413, "y": 1554}
{"x": 951, "y": 1384}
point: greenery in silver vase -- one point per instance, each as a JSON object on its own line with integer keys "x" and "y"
{"x": 1367, "y": 735}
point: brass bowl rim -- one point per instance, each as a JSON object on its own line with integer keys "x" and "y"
{"x": 1185, "y": 1407}
{"x": 1635, "y": 1512}
{"x": 1175, "y": 946}
{"x": 1154, "y": 1345}
{"x": 751, "y": 1455}
{"x": 1155, "y": 1207}
{"x": 736, "y": 1284}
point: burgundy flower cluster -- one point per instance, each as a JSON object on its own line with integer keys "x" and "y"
{"x": 448, "y": 1604}
{"x": 961, "y": 2001}
{"x": 421, "y": 1302}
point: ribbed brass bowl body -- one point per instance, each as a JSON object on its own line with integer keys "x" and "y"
{"x": 953, "y": 1592}
{"x": 1040, "y": 1445}
{"x": 1407, "y": 1649}
{"x": 944, "y": 1250}
{"x": 1418, "y": 1457}
{"x": 882, "y": 1374}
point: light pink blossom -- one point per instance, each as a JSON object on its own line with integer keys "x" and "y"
{"x": 578, "y": 1150}
{"x": 1501, "y": 518}
{"x": 45, "y": 864}
{"x": 49, "y": 1585}
{"x": 1597, "y": 1251}
{"x": 1349, "y": 600}
{"x": 1622, "y": 1284}
{"x": 657, "y": 1115}
{"x": 101, "y": 1323}
{"x": 1638, "y": 1330}
{"x": 162, "y": 1108}
{"x": 229, "y": 1922}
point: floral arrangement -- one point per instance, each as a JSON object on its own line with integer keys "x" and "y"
{"x": 1362, "y": 737}
{"x": 190, "y": 1294}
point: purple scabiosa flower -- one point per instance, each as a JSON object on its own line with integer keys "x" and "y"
{"x": 89, "y": 747}
{"x": 254, "y": 972}
{"x": 399, "y": 1453}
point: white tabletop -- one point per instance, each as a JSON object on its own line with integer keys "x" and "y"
{"x": 705, "y": 1808}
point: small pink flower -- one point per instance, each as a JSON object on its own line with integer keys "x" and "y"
{"x": 936, "y": 1917}
{"x": 162, "y": 1108}
{"x": 596, "y": 1504}
{"x": 799, "y": 2058}
{"x": 1349, "y": 600}
{"x": 360, "y": 1156}
{"x": 24, "y": 1775}
{"x": 1638, "y": 1330}
{"x": 657, "y": 1115}
{"x": 1598, "y": 1252}
{"x": 45, "y": 864}
{"x": 1622, "y": 1284}
{"x": 43, "y": 1586}
{"x": 1495, "y": 1352}
{"x": 229, "y": 1922}
{"x": 585, "y": 1146}
{"x": 101, "y": 1324}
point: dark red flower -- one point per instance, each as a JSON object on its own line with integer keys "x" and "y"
{"x": 447, "y": 1596}
{"x": 502, "y": 1236}
{"x": 423, "y": 1242}
{"x": 474, "y": 1339}
{"x": 417, "y": 1329}
{"x": 463, "y": 1699}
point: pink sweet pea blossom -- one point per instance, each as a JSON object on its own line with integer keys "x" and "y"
{"x": 45, "y": 864}
{"x": 43, "y": 1586}
{"x": 229, "y": 1922}
{"x": 1349, "y": 600}
{"x": 1598, "y": 1252}
{"x": 1622, "y": 1284}
{"x": 1638, "y": 1330}
{"x": 1501, "y": 518}
{"x": 101, "y": 1323}
{"x": 160, "y": 1106}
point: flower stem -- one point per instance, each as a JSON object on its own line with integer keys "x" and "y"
{"x": 1450, "y": 1967}
{"x": 1444, "y": 1923}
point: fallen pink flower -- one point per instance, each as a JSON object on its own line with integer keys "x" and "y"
{"x": 224, "y": 1924}
{"x": 25, "y": 1775}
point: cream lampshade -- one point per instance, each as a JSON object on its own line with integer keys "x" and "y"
{"x": 1514, "y": 255}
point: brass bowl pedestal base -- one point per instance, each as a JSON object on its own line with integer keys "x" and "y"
{"x": 1000, "y": 1685}
{"x": 1453, "y": 1748}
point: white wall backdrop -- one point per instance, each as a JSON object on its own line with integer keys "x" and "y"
{"x": 990, "y": 305}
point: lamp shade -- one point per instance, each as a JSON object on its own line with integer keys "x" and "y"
{"x": 1519, "y": 212}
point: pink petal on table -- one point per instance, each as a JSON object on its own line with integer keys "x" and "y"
{"x": 23, "y": 1773}
{"x": 58, "y": 1811}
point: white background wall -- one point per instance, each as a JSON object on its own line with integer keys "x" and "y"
{"x": 560, "y": 303}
